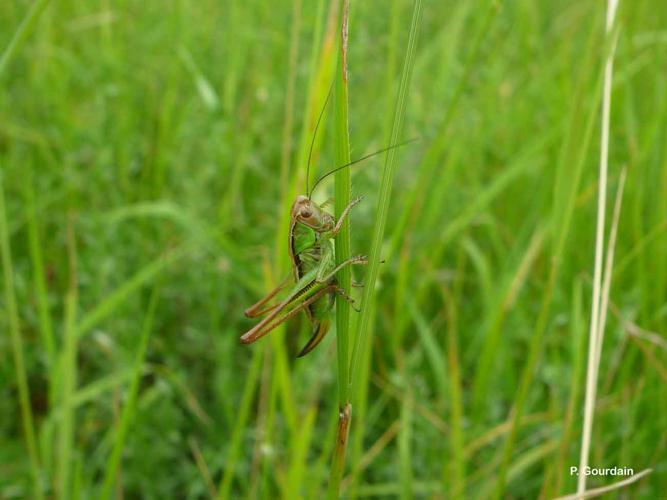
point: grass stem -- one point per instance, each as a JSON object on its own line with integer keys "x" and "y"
{"x": 130, "y": 405}
{"x": 385, "y": 192}
{"x": 597, "y": 324}
{"x": 22, "y": 33}
{"x": 567, "y": 185}
{"x": 342, "y": 190}
{"x": 17, "y": 346}
{"x": 68, "y": 374}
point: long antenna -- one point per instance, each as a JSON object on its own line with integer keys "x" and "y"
{"x": 312, "y": 142}
{"x": 358, "y": 160}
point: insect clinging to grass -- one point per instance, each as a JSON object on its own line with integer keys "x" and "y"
{"x": 311, "y": 251}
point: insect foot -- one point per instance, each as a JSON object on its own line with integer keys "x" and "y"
{"x": 357, "y": 200}
{"x": 359, "y": 259}
{"x": 347, "y": 298}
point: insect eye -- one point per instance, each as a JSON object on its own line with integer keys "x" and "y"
{"x": 305, "y": 213}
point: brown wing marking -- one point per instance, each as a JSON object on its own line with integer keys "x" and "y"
{"x": 296, "y": 261}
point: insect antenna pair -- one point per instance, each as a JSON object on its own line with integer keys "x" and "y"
{"x": 309, "y": 190}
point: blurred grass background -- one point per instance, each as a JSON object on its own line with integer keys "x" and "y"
{"x": 149, "y": 154}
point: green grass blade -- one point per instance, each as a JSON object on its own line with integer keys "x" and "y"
{"x": 405, "y": 450}
{"x": 518, "y": 268}
{"x": 567, "y": 186}
{"x": 21, "y": 34}
{"x": 294, "y": 485}
{"x": 342, "y": 199}
{"x": 68, "y": 377}
{"x": 456, "y": 466}
{"x": 385, "y": 192}
{"x": 578, "y": 355}
{"x": 342, "y": 190}
{"x": 16, "y": 42}
{"x": 128, "y": 410}
{"x": 37, "y": 261}
{"x": 110, "y": 303}
{"x": 17, "y": 346}
{"x": 360, "y": 405}
{"x": 429, "y": 343}
{"x": 598, "y": 312}
{"x": 236, "y": 437}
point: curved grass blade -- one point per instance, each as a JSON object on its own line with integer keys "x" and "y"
{"x": 385, "y": 192}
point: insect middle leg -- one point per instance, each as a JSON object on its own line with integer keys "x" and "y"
{"x": 357, "y": 260}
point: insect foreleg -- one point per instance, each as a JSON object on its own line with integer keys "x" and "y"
{"x": 346, "y": 212}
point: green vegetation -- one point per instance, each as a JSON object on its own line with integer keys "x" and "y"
{"x": 149, "y": 154}
{"x": 342, "y": 188}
